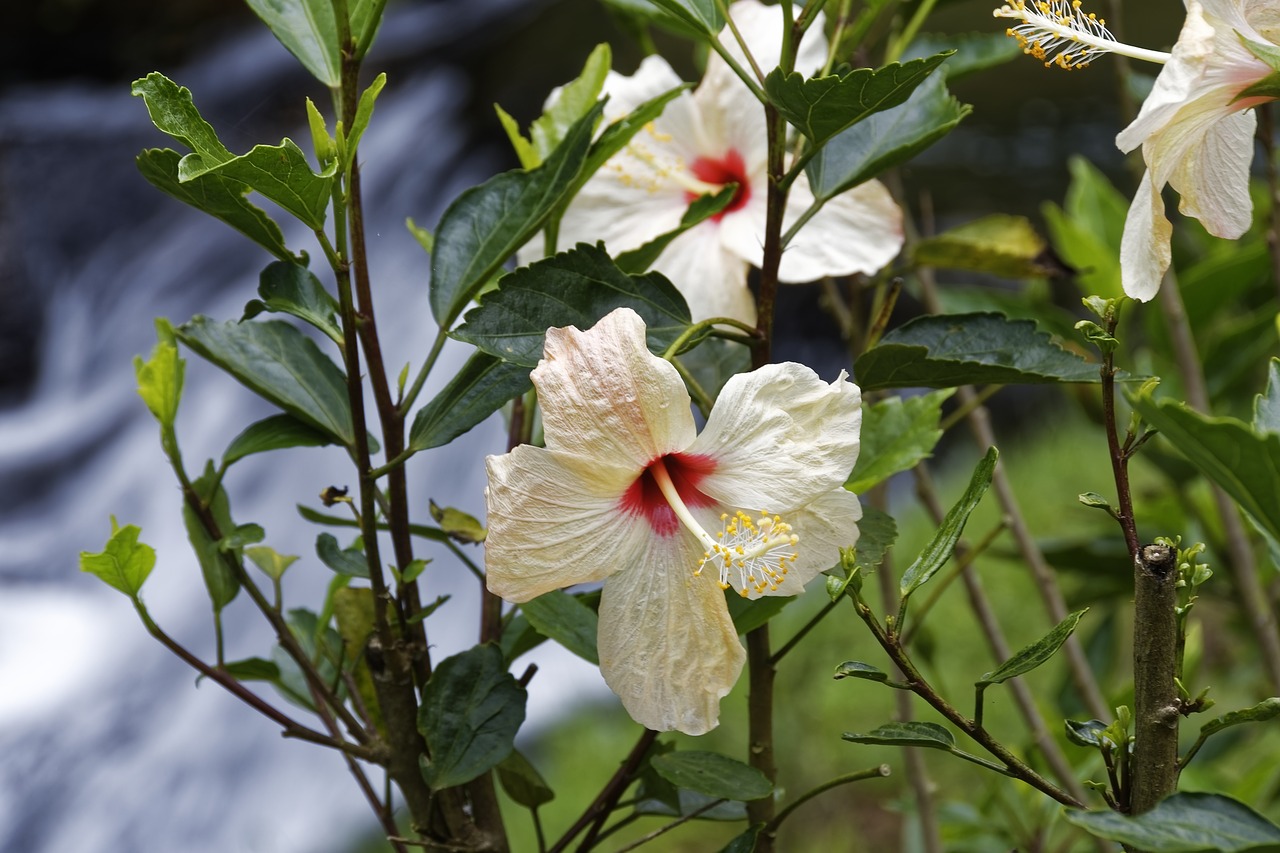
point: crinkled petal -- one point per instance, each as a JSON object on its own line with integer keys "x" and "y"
{"x": 856, "y": 232}
{"x": 824, "y": 527}
{"x": 1213, "y": 177}
{"x": 781, "y": 437}
{"x": 1144, "y": 247}
{"x": 555, "y": 521}
{"x": 712, "y": 279}
{"x": 667, "y": 645}
{"x": 606, "y": 398}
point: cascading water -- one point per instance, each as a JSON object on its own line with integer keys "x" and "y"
{"x": 106, "y": 746}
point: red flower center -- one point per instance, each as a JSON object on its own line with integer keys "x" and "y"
{"x": 728, "y": 169}
{"x": 643, "y": 497}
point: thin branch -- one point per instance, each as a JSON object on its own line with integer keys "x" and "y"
{"x": 598, "y": 812}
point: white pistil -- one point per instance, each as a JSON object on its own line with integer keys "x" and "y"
{"x": 1058, "y": 32}
{"x": 758, "y": 552}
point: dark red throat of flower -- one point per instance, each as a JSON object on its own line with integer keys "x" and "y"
{"x": 728, "y": 169}
{"x": 643, "y": 497}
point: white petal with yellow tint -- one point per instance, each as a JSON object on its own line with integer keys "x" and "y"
{"x": 1144, "y": 246}
{"x": 1212, "y": 179}
{"x": 781, "y": 437}
{"x": 667, "y": 645}
{"x": 605, "y": 397}
{"x": 858, "y": 231}
{"x": 554, "y": 521}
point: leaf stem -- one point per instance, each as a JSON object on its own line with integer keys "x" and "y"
{"x": 877, "y": 772}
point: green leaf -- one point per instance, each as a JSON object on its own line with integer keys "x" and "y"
{"x": 485, "y": 225}
{"x": 702, "y": 15}
{"x": 747, "y": 615}
{"x": 1032, "y": 656}
{"x": 1185, "y": 823}
{"x": 885, "y": 139}
{"x": 160, "y": 379}
{"x": 309, "y": 31}
{"x": 1267, "y": 709}
{"x": 344, "y": 561}
{"x": 974, "y": 52}
{"x": 700, "y": 210}
{"x": 484, "y": 384}
{"x": 616, "y": 135}
{"x": 1087, "y": 733}
{"x": 325, "y": 145}
{"x": 173, "y": 111}
{"x": 877, "y": 531}
{"x": 277, "y": 432}
{"x": 273, "y": 565}
{"x": 471, "y": 710}
{"x": 929, "y": 735}
{"x": 525, "y": 153}
{"x": 293, "y": 289}
{"x": 242, "y": 535}
{"x": 1266, "y": 407}
{"x": 220, "y": 578}
{"x": 637, "y": 15}
{"x": 353, "y": 613}
{"x": 564, "y": 618}
{"x": 124, "y": 563}
{"x": 939, "y": 550}
{"x": 821, "y": 107}
{"x": 998, "y": 244}
{"x": 216, "y": 195}
{"x": 574, "y": 101}
{"x": 460, "y": 526}
{"x": 712, "y": 774}
{"x": 897, "y": 433}
{"x": 252, "y": 669}
{"x": 858, "y": 669}
{"x": 746, "y": 842}
{"x": 522, "y": 781}
{"x": 1245, "y": 464}
{"x": 1086, "y": 232}
{"x": 574, "y": 288}
{"x": 364, "y": 112}
{"x": 278, "y": 362}
{"x": 944, "y": 351}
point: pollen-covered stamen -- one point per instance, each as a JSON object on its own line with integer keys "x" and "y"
{"x": 662, "y": 167}
{"x": 1060, "y": 32}
{"x": 757, "y": 552}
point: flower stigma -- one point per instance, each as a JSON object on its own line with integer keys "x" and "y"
{"x": 1060, "y": 32}
{"x": 758, "y": 552}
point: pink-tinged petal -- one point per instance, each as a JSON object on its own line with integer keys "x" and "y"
{"x": 667, "y": 645}
{"x": 712, "y": 279}
{"x": 1213, "y": 178}
{"x": 554, "y": 521}
{"x": 781, "y": 438}
{"x": 607, "y": 399}
{"x": 856, "y": 232}
{"x": 1144, "y": 246}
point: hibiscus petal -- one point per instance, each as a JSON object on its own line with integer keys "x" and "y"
{"x": 667, "y": 645}
{"x": 1144, "y": 247}
{"x": 554, "y": 522}
{"x": 1213, "y": 177}
{"x": 652, "y": 78}
{"x": 606, "y": 398}
{"x": 712, "y": 279}
{"x": 761, "y": 28}
{"x": 781, "y": 438}
{"x": 856, "y": 232}
{"x": 824, "y": 527}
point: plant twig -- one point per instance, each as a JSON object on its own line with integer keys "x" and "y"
{"x": 598, "y": 812}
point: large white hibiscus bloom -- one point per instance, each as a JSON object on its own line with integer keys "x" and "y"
{"x": 703, "y": 140}
{"x": 1196, "y": 134}
{"x": 626, "y": 491}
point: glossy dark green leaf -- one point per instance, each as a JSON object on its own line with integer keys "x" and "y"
{"x": 885, "y": 139}
{"x": 702, "y": 15}
{"x": 124, "y": 563}
{"x": 574, "y": 288}
{"x": 1037, "y": 653}
{"x": 279, "y": 363}
{"x": 470, "y": 713}
{"x": 484, "y": 384}
{"x": 897, "y": 432}
{"x": 1087, "y": 732}
{"x": 712, "y": 774}
{"x": 216, "y": 195}
{"x": 293, "y": 289}
{"x": 220, "y": 578}
{"x": 700, "y": 210}
{"x": 858, "y": 669}
{"x": 929, "y": 735}
{"x": 252, "y": 669}
{"x": 939, "y": 550}
{"x": 821, "y": 107}
{"x": 274, "y": 433}
{"x": 944, "y": 351}
{"x": 1185, "y": 823}
{"x": 307, "y": 28}
{"x": 563, "y": 618}
{"x": 1267, "y": 709}
{"x": 1266, "y": 407}
{"x": 522, "y": 781}
{"x": 485, "y": 225}
{"x": 998, "y": 244}
{"x": 1243, "y": 462}
{"x": 747, "y": 615}
{"x": 344, "y": 561}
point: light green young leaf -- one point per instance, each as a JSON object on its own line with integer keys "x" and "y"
{"x": 998, "y": 244}
{"x": 220, "y": 578}
{"x": 564, "y": 618}
{"x": 216, "y": 195}
{"x": 1266, "y": 407}
{"x": 461, "y": 526}
{"x": 821, "y": 107}
{"x": 483, "y": 385}
{"x": 276, "y": 432}
{"x": 485, "y": 225}
{"x": 1032, "y": 656}
{"x": 1267, "y": 709}
{"x": 470, "y": 713}
{"x": 1185, "y": 823}
{"x": 160, "y": 377}
{"x": 124, "y": 563}
{"x": 938, "y": 551}
{"x": 525, "y": 152}
{"x": 364, "y": 112}
{"x": 1086, "y": 231}
{"x": 293, "y": 289}
{"x": 947, "y": 350}
{"x": 575, "y": 100}
{"x": 713, "y": 775}
{"x": 273, "y": 565}
{"x": 897, "y": 433}
{"x": 309, "y": 31}
{"x": 278, "y": 362}
{"x": 325, "y": 146}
